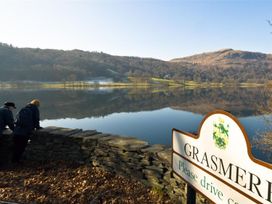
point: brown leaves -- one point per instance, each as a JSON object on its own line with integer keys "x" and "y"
{"x": 63, "y": 183}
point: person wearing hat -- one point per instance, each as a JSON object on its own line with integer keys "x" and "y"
{"x": 27, "y": 120}
{"x": 6, "y": 119}
{"x": 6, "y": 116}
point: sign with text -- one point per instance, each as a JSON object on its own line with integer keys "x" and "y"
{"x": 218, "y": 162}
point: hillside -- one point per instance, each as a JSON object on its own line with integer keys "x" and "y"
{"x": 229, "y": 64}
{"x": 34, "y": 64}
{"x": 227, "y": 58}
{"x": 59, "y": 65}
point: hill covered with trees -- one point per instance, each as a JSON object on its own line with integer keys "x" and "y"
{"x": 34, "y": 64}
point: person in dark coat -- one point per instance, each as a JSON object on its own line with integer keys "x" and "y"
{"x": 6, "y": 116}
{"x": 27, "y": 121}
{"x": 6, "y": 120}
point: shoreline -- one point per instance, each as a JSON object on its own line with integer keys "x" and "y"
{"x": 124, "y": 156}
{"x": 131, "y": 83}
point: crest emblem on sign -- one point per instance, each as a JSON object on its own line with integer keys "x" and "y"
{"x": 220, "y": 134}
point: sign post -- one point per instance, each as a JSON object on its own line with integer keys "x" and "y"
{"x": 191, "y": 195}
{"x": 219, "y": 164}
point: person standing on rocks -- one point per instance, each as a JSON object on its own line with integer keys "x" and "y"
{"x": 27, "y": 121}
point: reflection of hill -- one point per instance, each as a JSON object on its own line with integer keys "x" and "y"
{"x": 84, "y": 103}
{"x": 239, "y": 101}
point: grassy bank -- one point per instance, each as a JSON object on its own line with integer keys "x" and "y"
{"x": 129, "y": 83}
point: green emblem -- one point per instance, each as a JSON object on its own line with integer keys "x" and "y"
{"x": 220, "y": 134}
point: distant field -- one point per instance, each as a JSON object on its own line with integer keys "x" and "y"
{"x": 131, "y": 82}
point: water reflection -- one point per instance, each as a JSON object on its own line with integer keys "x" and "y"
{"x": 148, "y": 114}
{"x": 96, "y": 102}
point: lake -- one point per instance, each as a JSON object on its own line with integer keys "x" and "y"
{"x": 149, "y": 113}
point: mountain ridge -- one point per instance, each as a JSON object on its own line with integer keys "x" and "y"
{"x": 18, "y": 64}
{"x": 221, "y": 56}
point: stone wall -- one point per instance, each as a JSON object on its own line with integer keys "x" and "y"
{"x": 122, "y": 155}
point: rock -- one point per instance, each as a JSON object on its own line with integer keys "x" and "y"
{"x": 85, "y": 134}
{"x": 157, "y": 163}
{"x": 166, "y": 155}
{"x": 110, "y": 137}
{"x": 155, "y": 168}
{"x": 95, "y": 163}
{"x": 65, "y": 131}
{"x": 100, "y": 152}
{"x": 155, "y": 183}
{"x": 127, "y": 143}
{"x": 178, "y": 178}
{"x": 167, "y": 176}
{"x": 48, "y": 129}
{"x": 173, "y": 182}
{"x": 151, "y": 173}
{"x": 145, "y": 162}
{"x": 94, "y": 137}
{"x": 153, "y": 149}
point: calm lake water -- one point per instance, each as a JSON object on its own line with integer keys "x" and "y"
{"x": 149, "y": 114}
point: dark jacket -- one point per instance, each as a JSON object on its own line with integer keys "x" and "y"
{"x": 32, "y": 124}
{"x": 6, "y": 119}
{"x": 35, "y": 116}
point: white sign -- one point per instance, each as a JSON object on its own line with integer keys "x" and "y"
{"x": 218, "y": 162}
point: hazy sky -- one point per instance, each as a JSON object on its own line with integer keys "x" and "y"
{"x": 162, "y": 29}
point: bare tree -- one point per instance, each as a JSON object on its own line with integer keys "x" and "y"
{"x": 270, "y": 23}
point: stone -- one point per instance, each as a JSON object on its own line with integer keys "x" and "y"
{"x": 173, "y": 182}
{"x": 167, "y": 176}
{"x": 94, "y": 137}
{"x": 151, "y": 173}
{"x": 95, "y": 163}
{"x": 48, "y": 129}
{"x": 178, "y": 178}
{"x": 101, "y": 152}
{"x": 90, "y": 144}
{"x": 157, "y": 163}
{"x": 176, "y": 199}
{"x": 166, "y": 155}
{"x": 90, "y": 141}
{"x": 155, "y": 168}
{"x": 110, "y": 164}
{"x": 110, "y": 137}
{"x": 179, "y": 191}
{"x": 155, "y": 183}
{"x": 153, "y": 149}
{"x": 127, "y": 143}
{"x": 145, "y": 162}
{"x": 65, "y": 131}
{"x": 85, "y": 134}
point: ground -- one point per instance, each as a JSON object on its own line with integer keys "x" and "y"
{"x": 71, "y": 183}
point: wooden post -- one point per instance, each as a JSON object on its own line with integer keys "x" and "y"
{"x": 191, "y": 195}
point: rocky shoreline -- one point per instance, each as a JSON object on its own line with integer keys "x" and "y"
{"x": 125, "y": 156}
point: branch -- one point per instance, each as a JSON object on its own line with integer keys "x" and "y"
{"x": 269, "y": 22}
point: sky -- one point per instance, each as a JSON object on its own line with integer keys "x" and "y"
{"x": 163, "y": 29}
